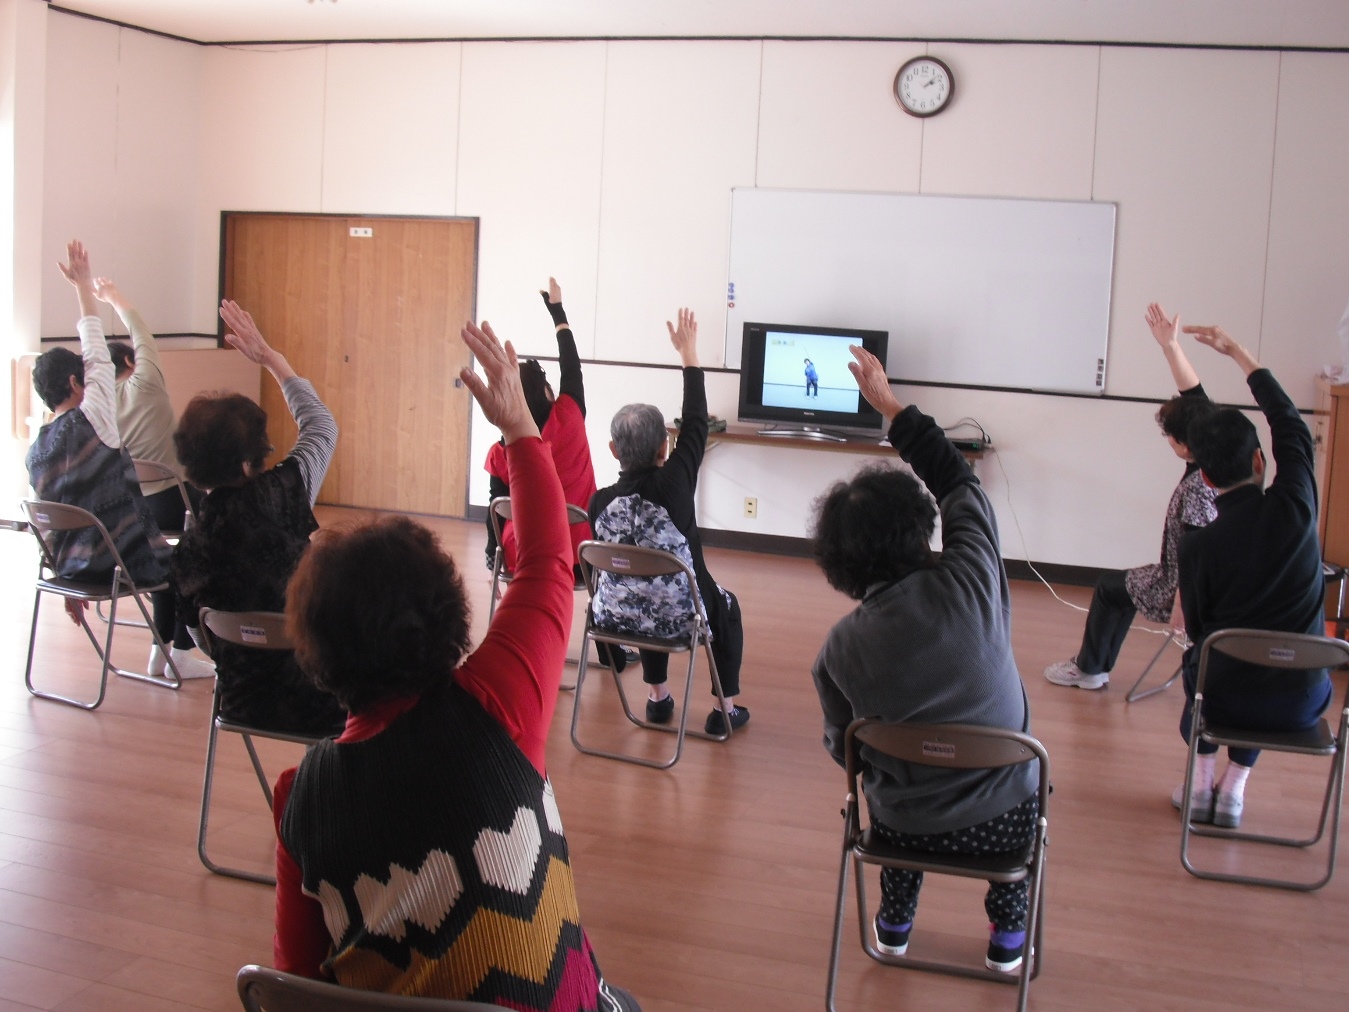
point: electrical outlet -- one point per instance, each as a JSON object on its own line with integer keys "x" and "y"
{"x": 751, "y": 507}
{"x": 358, "y": 232}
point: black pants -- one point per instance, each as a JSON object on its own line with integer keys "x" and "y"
{"x": 728, "y": 644}
{"x": 1112, "y": 612}
{"x": 167, "y": 509}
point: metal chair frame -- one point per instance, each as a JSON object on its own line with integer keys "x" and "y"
{"x": 44, "y": 517}
{"x": 261, "y": 630}
{"x": 1176, "y": 636}
{"x": 1278, "y": 650}
{"x": 262, "y": 988}
{"x": 951, "y": 746}
{"x": 498, "y": 512}
{"x": 599, "y": 557}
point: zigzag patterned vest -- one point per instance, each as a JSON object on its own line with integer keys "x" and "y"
{"x": 436, "y": 851}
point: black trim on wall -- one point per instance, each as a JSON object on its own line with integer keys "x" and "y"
{"x": 950, "y": 40}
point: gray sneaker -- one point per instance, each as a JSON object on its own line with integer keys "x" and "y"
{"x": 1068, "y": 673}
{"x": 1201, "y": 804}
{"x": 1227, "y": 810}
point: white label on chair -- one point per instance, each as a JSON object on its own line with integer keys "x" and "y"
{"x": 618, "y": 562}
{"x": 939, "y": 749}
{"x": 252, "y": 634}
{"x": 1281, "y": 654}
{"x": 42, "y": 518}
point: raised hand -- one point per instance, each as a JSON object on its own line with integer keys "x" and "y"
{"x": 1223, "y": 343}
{"x": 554, "y": 293}
{"x": 500, "y": 396}
{"x": 685, "y": 337}
{"x": 1165, "y": 332}
{"x": 76, "y": 270}
{"x": 873, "y": 383}
{"x": 245, "y": 338}
{"x": 106, "y": 291}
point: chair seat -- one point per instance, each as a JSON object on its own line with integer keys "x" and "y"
{"x": 1313, "y": 741}
{"x": 639, "y": 642}
{"x": 83, "y": 590}
{"x": 1011, "y": 866}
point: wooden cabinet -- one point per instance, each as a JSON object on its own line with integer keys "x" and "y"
{"x": 1330, "y": 429}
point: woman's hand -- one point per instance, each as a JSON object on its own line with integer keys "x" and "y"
{"x": 245, "y": 338}
{"x": 501, "y": 396}
{"x": 873, "y": 383}
{"x": 554, "y": 293}
{"x": 76, "y": 270}
{"x": 106, "y": 291}
{"x": 1165, "y": 332}
{"x": 685, "y": 338}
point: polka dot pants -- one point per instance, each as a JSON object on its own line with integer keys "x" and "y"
{"x": 1005, "y": 902}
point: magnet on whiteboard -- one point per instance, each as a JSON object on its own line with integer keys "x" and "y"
{"x": 730, "y": 305}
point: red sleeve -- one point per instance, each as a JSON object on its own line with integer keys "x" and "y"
{"x": 516, "y": 670}
{"x": 301, "y": 942}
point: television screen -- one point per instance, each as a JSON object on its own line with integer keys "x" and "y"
{"x": 797, "y": 378}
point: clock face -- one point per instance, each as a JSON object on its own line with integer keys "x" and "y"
{"x": 924, "y": 86}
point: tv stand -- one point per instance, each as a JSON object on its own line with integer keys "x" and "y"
{"x": 805, "y": 432}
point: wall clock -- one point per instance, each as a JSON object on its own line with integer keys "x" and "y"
{"x": 924, "y": 86}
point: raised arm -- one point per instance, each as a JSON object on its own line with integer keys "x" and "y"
{"x": 1166, "y": 332}
{"x": 515, "y": 672}
{"x": 571, "y": 382}
{"x": 317, "y": 437}
{"x": 680, "y": 472}
{"x": 1222, "y": 342}
{"x": 142, "y": 340}
{"x": 100, "y": 385}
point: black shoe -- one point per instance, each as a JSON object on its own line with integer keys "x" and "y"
{"x": 716, "y": 721}
{"x": 659, "y": 711}
{"x": 892, "y": 941}
{"x": 1003, "y": 957}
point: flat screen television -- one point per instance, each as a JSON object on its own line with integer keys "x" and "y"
{"x": 795, "y": 380}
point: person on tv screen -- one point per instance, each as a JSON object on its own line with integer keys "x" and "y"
{"x": 812, "y": 380}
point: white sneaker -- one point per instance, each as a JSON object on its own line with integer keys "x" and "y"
{"x": 1068, "y": 673}
{"x": 187, "y": 665}
{"x": 1201, "y": 804}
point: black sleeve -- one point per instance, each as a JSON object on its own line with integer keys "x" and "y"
{"x": 1195, "y": 391}
{"x": 922, "y": 443}
{"x": 571, "y": 383}
{"x": 679, "y": 476}
{"x": 1293, "y": 449}
{"x": 497, "y": 488}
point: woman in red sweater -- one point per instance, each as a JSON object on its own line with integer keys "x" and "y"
{"x": 422, "y": 851}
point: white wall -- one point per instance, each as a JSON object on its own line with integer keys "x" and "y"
{"x": 610, "y": 166}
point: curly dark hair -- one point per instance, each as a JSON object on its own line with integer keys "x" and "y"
{"x": 1223, "y": 443}
{"x": 217, "y": 434}
{"x": 377, "y": 612}
{"x": 123, "y": 355}
{"x": 52, "y": 372}
{"x": 1177, "y": 415}
{"x": 873, "y": 529}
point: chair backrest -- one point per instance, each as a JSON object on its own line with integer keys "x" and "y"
{"x": 1291, "y": 651}
{"x": 45, "y": 517}
{"x": 152, "y": 470}
{"x": 499, "y": 510}
{"x": 261, "y": 630}
{"x": 262, "y": 989}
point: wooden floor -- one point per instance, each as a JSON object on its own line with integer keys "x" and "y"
{"x": 707, "y": 887}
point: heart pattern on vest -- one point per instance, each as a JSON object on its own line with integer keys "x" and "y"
{"x": 550, "y": 809}
{"x": 507, "y": 860}
{"x": 424, "y": 896}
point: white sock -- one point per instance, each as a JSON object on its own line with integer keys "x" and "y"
{"x": 657, "y": 692}
{"x": 1203, "y": 772}
{"x": 157, "y": 662}
{"x": 1234, "y": 780}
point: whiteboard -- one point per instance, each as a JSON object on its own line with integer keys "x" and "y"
{"x": 974, "y": 291}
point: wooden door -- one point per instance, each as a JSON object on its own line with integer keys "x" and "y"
{"x": 374, "y": 323}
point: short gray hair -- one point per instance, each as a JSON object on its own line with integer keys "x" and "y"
{"x": 638, "y": 430}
